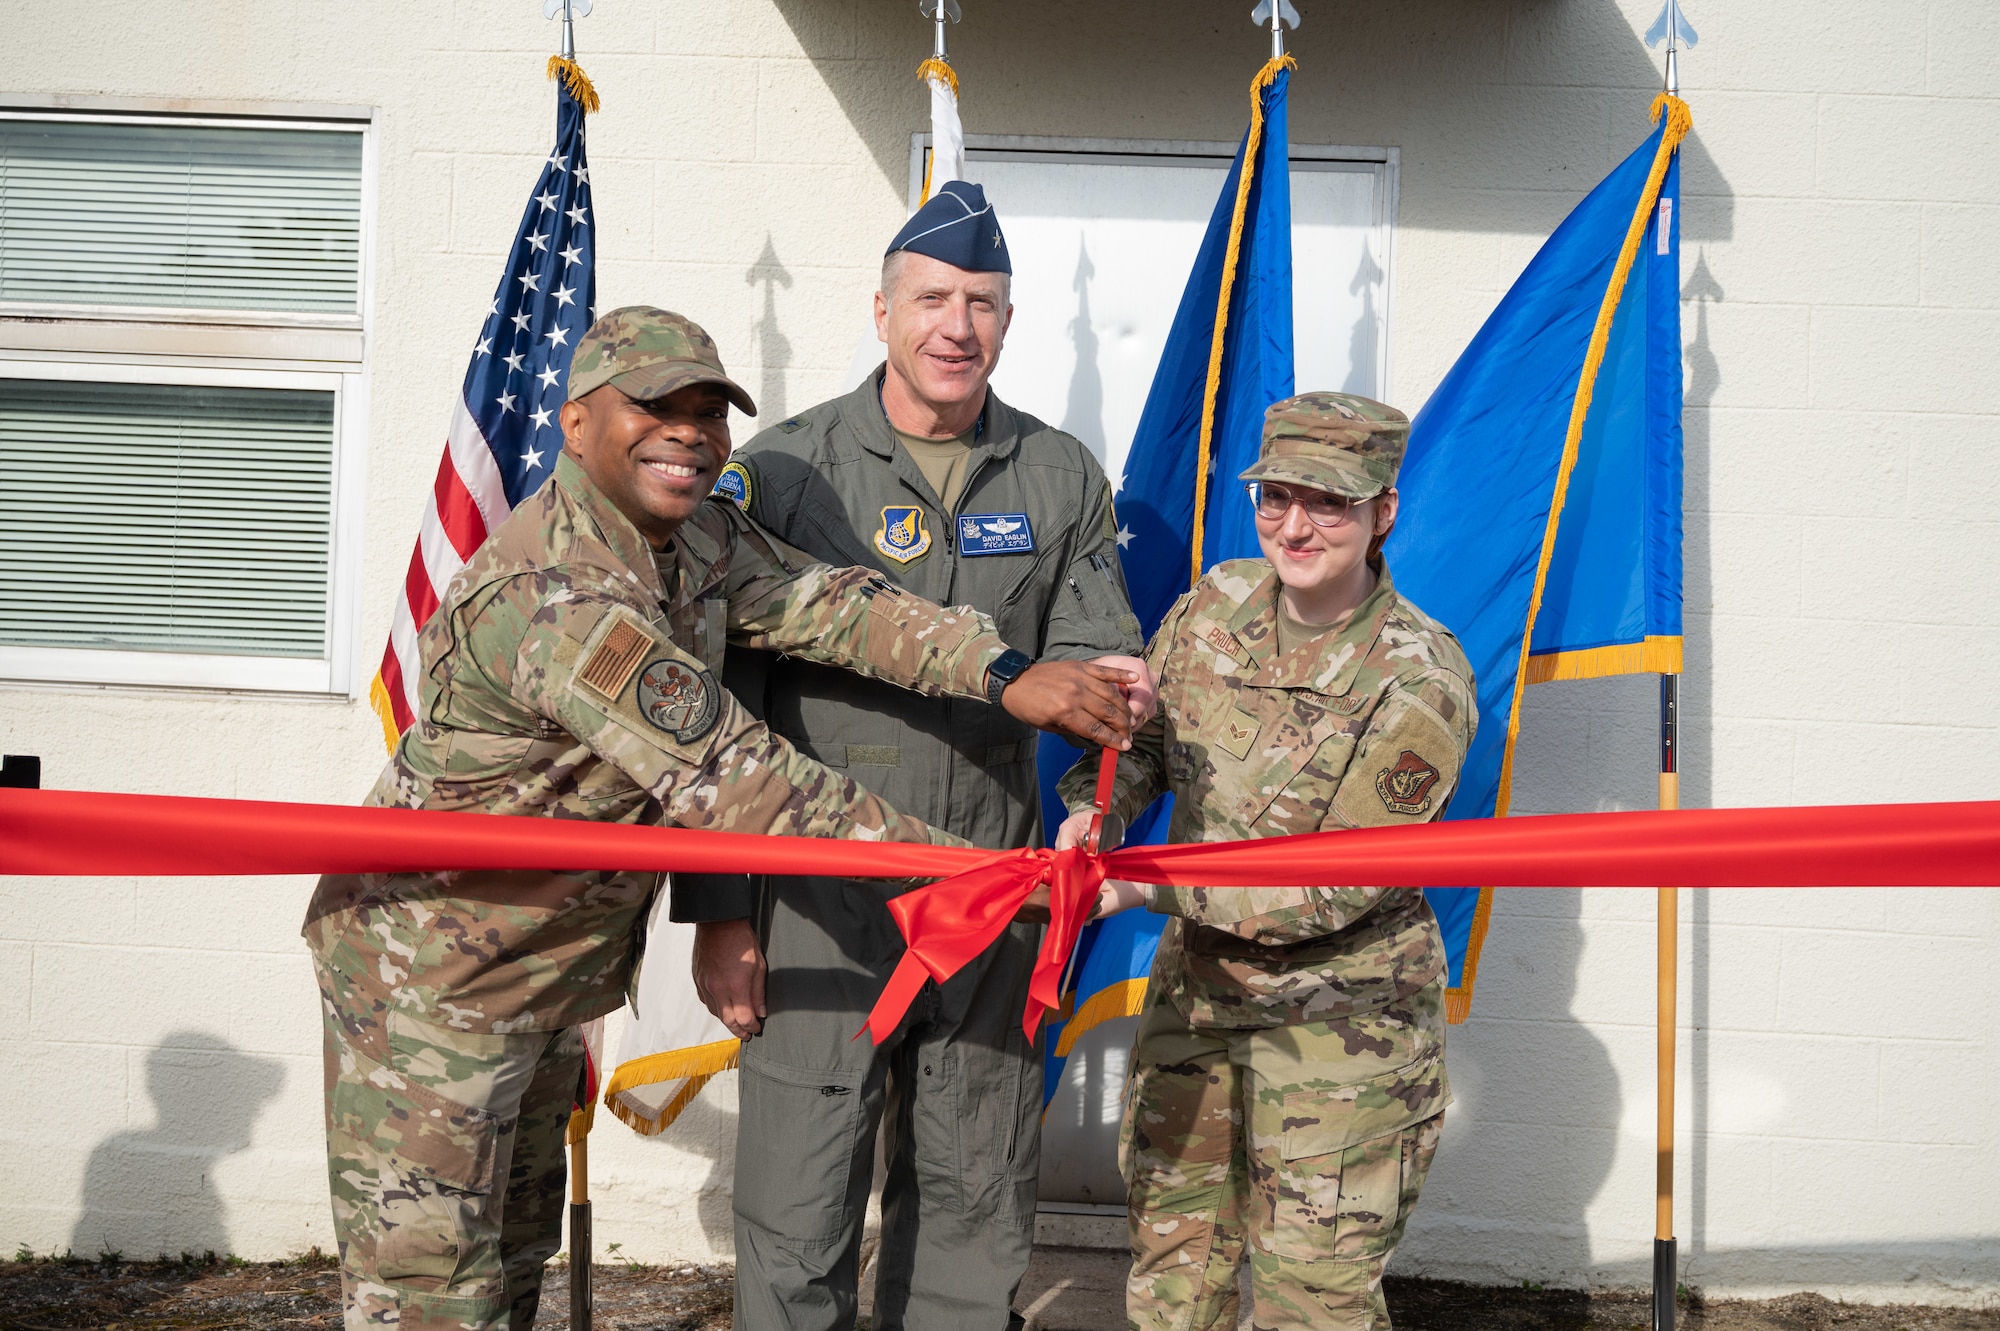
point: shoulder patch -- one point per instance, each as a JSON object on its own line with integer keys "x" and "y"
{"x": 735, "y": 485}
{"x": 1406, "y": 787}
{"x": 680, "y": 698}
{"x": 792, "y": 426}
{"x": 614, "y": 660}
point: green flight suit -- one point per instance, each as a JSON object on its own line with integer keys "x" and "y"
{"x": 960, "y": 1086}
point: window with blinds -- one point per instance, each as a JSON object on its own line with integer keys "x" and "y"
{"x": 165, "y": 518}
{"x": 180, "y": 216}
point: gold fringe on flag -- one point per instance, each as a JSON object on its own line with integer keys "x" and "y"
{"x": 1264, "y": 78}
{"x": 695, "y": 1065}
{"x": 1458, "y": 997}
{"x": 575, "y": 80}
{"x": 934, "y": 68}
{"x": 1657, "y": 655}
{"x": 385, "y": 711}
{"x": 1654, "y": 653}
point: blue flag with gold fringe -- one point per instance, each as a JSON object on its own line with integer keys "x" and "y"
{"x": 1541, "y": 493}
{"x": 1228, "y": 356}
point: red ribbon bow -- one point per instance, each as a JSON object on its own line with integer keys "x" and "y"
{"x": 952, "y": 921}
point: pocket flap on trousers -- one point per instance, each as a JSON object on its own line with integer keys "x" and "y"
{"x": 1320, "y": 1122}
{"x": 450, "y": 1142}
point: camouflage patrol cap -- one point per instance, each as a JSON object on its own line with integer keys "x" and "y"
{"x": 647, "y": 353}
{"x": 1336, "y": 442}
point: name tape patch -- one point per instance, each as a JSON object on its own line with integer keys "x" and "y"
{"x": 995, "y": 534}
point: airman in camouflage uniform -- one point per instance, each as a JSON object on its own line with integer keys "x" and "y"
{"x": 1288, "y": 1075}
{"x": 571, "y": 673}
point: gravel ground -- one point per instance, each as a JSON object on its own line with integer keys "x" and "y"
{"x": 47, "y": 1294}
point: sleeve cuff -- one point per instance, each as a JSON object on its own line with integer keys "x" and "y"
{"x": 709, "y": 898}
{"x": 977, "y": 662}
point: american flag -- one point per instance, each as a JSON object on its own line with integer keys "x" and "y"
{"x": 504, "y": 434}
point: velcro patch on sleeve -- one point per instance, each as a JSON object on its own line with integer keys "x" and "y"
{"x": 1405, "y": 786}
{"x": 680, "y": 698}
{"x": 617, "y": 654}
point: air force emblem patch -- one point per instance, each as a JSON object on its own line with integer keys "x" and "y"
{"x": 1406, "y": 787}
{"x": 902, "y": 535}
{"x": 995, "y": 534}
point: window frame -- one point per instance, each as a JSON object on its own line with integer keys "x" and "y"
{"x": 332, "y": 674}
{"x": 226, "y": 348}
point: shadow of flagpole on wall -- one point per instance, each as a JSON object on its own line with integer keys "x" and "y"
{"x": 1704, "y": 377}
{"x": 774, "y": 349}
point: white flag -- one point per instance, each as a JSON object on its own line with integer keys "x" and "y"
{"x": 947, "y": 136}
{"x": 673, "y": 1045}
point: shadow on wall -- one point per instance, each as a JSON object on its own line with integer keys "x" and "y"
{"x": 707, "y": 1130}
{"x": 1532, "y": 1138}
{"x": 1083, "y": 413}
{"x": 774, "y": 349}
{"x": 1704, "y": 377}
{"x": 1491, "y": 101}
{"x": 152, "y": 1191}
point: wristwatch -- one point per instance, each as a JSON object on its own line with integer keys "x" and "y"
{"x": 1009, "y": 666}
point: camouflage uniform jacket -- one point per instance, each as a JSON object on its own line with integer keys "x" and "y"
{"x": 1363, "y": 727}
{"x": 571, "y": 673}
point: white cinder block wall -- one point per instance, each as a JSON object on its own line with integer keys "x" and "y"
{"x": 159, "y": 1078}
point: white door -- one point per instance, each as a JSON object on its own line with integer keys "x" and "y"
{"x": 1102, "y": 237}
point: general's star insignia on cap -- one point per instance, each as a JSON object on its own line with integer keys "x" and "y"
{"x": 957, "y": 226}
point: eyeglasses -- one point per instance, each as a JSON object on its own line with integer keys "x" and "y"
{"x": 1322, "y": 510}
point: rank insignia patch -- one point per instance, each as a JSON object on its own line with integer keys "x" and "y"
{"x": 902, "y": 535}
{"x": 681, "y": 699}
{"x": 1239, "y": 732}
{"x": 1406, "y": 787}
{"x": 735, "y": 485}
{"x": 995, "y": 534}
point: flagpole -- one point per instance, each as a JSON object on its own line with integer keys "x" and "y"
{"x": 579, "y": 1150}
{"x": 1665, "y": 1257}
{"x": 1666, "y": 1254}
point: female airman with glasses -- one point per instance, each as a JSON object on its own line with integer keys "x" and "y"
{"x": 1288, "y": 1078}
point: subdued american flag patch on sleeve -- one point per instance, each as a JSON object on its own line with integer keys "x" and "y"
{"x": 615, "y": 658}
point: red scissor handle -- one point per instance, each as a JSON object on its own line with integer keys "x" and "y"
{"x": 1107, "y": 775}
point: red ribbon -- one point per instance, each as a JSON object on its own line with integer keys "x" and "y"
{"x": 947, "y": 923}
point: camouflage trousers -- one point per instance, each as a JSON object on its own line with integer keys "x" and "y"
{"x": 1303, "y": 1146}
{"x": 444, "y": 1152}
